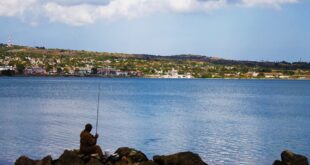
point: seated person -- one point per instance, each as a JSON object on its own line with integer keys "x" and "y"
{"x": 88, "y": 142}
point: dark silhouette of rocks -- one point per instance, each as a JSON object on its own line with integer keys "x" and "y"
{"x": 290, "y": 158}
{"x": 23, "y": 160}
{"x": 69, "y": 158}
{"x": 94, "y": 161}
{"x": 130, "y": 156}
{"x": 182, "y": 158}
{"x": 123, "y": 156}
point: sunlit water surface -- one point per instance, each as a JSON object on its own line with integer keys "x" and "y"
{"x": 224, "y": 121}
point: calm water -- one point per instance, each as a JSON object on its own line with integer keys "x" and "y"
{"x": 225, "y": 121}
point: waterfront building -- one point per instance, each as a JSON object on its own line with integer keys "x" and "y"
{"x": 2, "y": 68}
{"x": 35, "y": 71}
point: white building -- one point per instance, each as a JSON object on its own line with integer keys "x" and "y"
{"x": 6, "y": 68}
{"x": 174, "y": 74}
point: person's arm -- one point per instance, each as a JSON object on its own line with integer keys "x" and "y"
{"x": 95, "y": 139}
{"x": 91, "y": 140}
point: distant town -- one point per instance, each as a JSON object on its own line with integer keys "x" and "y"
{"x": 18, "y": 60}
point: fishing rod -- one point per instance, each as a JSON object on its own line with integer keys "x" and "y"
{"x": 98, "y": 107}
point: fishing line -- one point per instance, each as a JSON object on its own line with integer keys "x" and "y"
{"x": 98, "y": 107}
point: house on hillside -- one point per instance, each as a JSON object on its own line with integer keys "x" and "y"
{"x": 269, "y": 75}
{"x": 38, "y": 71}
{"x": 83, "y": 71}
{"x": 106, "y": 71}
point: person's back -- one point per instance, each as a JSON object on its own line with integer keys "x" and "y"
{"x": 88, "y": 142}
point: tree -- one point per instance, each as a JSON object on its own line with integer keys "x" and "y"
{"x": 94, "y": 70}
{"x": 261, "y": 75}
{"x": 288, "y": 72}
{"x": 48, "y": 67}
{"x": 20, "y": 68}
{"x": 206, "y": 75}
{"x": 59, "y": 70}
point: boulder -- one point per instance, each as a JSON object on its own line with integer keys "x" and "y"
{"x": 182, "y": 158}
{"x": 277, "y": 162}
{"x": 23, "y": 160}
{"x": 131, "y": 155}
{"x": 47, "y": 160}
{"x": 69, "y": 158}
{"x": 150, "y": 162}
{"x": 94, "y": 162}
{"x": 290, "y": 158}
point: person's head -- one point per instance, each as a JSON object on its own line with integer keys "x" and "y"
{"x": 88, "y": 127}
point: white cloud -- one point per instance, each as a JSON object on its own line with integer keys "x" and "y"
{"x": 272, "y": 3}
{"x": 15, "y": 7}
{"x": 88, "y": 13}
{"x": 77, "y": 12}
{"x": 73, "y": 15}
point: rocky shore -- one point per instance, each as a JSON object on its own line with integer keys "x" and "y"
{"x": 130, "y": 156}
{"x": 122, "y": 156}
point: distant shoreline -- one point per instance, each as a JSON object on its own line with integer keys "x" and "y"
{"x": 27, "y": 61}
{"x": 71, "y": 76}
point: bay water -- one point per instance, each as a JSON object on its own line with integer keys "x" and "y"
{"x": 224, "y": 121}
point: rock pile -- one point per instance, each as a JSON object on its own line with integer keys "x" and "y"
{"x": 130, "y": 156}
{"x": 125, "y": 156}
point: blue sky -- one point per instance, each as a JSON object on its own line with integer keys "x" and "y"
{"x": 272, "y": 30}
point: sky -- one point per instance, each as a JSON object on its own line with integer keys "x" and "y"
{"x": 269, "y": 30}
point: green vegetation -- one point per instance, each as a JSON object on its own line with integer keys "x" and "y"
{"x": 70, "y": 62}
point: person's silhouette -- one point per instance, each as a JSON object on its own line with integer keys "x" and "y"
{"x": 88, "y": 142}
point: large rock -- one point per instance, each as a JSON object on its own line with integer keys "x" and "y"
{"x": 94, "y": 162}
{"x": 150, "y": 162}
{"x": 23, "y": 160}
{"x": 290, "y": 158}
{"x": 182, "y": 158}
{"x": 131, "y": 155}
{"x": 69, "y": 158}
{"x": 47, "y": 160}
